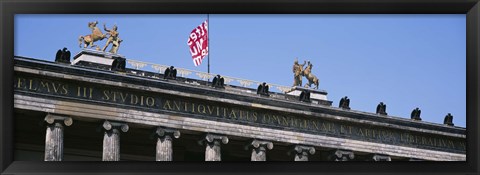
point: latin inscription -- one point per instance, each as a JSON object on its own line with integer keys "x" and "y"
{"x": 237, "y": 114}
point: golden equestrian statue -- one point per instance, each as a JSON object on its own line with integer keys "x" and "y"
{"x": 96, "y": 35}
{"x": 310, "y": 77}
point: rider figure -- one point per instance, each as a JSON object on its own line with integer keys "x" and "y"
{"x": 113, "y": 35}
{"x": 297, "y": 70}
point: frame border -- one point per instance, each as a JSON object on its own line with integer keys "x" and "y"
{"x": 9, "y": 8}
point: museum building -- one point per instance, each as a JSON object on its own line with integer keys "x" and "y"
{"x": 92, "y": 108}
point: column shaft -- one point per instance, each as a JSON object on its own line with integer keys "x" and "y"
{"x": 259, "y": 149}
{"x": 164, "y": 148}
{"x": 54, "y": 142}
{"x": 213, "y": 151}
{"x": 165, "y": 143}
{"x": 259, "y": 154}
{"x": 212, "y": 146}
{"x": 54, "y": 136}
{"x": 111, "y": 145}
{"x": 301, "y": 156}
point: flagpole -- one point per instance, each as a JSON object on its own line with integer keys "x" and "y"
{"x": 208, "y": 40}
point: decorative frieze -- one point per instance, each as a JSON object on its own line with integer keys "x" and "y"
{"x": 54, "y": 136}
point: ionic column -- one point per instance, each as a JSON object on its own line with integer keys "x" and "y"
{"x": 341, "y": 155}
{"x": 54, "y": 136}
{"x": 301, "y": 152}
{"x": 164, "y": 143}
{"x": 259, "y": 149}
{"x": 212, "y": 148}
{"x": 379, "y": 157}
{"x": 111, "y": 140}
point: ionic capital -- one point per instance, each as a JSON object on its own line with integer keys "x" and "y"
{"x": 52, "y": 118}
{"x": 211, "y": 138}
{"x": 256, "y": 144}
{"x": 342, "y": 155}
{"x": 301, "y": 149}
{"x": 107, "y": 125}
{"x": 161, "y": 132}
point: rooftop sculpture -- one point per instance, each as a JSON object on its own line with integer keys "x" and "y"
{"x": 63, "y": 56}
{"x": 96, "y": 35}
{"x": 382, "y": 109}
{"x": 113, "y": 39}
{"x": 448, "y": 120}
{"x": 312, "y": 79}
{"x": 263, "y": 89}
{"x": 299, "y": 71}
{"x": 416, "y": 114}
{"x": 344, "y": 103}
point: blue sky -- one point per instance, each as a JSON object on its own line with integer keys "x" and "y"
{"x": 405, "y": 61}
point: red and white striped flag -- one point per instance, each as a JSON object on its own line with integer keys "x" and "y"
{"x": 198, "y": 43}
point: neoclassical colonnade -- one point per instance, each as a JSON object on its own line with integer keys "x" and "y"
{"x": 112, "y": 130}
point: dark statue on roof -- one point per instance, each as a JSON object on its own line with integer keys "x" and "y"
{"x": 448, "y": 120}
{"x": 416, "y": 114}
{"x": 170, "y": 73}
{"x": 305, "y": 96}
{"x": 63, "y": 56}
{"x": 263, "y": 89}
{"x": 344, "y": 103}
{"x": 382, "y": 109}
{"x": 218, "y": 82}
{"x": 118, "y": 64}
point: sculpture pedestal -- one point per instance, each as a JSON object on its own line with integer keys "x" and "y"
{"x": 316, "y": 96}
{"x": 94, "y": 58}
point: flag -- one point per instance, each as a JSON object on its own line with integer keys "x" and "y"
{"x": 198, "y": 43}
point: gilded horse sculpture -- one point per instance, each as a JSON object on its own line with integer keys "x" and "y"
{"x": 310, "y": 77}
{"x": 96, "y": 35}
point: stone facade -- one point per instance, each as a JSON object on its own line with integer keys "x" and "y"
{"x": 168, "y": 107}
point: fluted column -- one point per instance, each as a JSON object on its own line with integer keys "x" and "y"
{"x": 213, "y": 147}
{"x": 341, "y": 155}
{"x": 301, "y": 152}
{"x": 111, "y": 140}
{"x": 259, "y": 149}
{"x": 164, "y": 143}
{"x": 379, "y": 157}
{"x": 54, "y": 136}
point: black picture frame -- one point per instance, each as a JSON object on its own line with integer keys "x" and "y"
{"x": 9, "y": 8}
